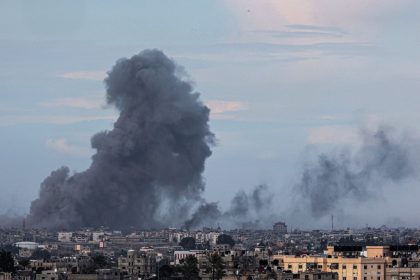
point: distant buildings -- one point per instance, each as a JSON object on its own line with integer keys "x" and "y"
{"x": 354, "y": 262}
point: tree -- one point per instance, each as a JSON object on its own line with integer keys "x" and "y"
{"x": 24, "y": 263}
{"x": 95, "y": 262}
{"x": 41, "y": 254}
{"x": 7, "y": 263}
{"x": 217, "y": 266}
{"x": 225, "y": 239}
{"x": 188, "y": 243}
{"x": 99, "y": 261}
{"x": 166, "y": 271}
{"x": 190, "y": 269}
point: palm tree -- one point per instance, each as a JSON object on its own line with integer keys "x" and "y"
{"x": 217, "y": 266}
{"x": 190, "y": 269}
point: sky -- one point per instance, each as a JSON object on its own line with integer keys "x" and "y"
{"x": 283, "y": 78}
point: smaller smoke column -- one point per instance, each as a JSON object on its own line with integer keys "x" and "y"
{"x": 355, "y": 175}
{"x": 246, "y": 210}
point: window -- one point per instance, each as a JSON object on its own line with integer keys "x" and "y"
{"x": 354, "y": 266}
{"x": 364, "y": 278}
{"x": 344, "y": 278}
{"x": 379, "y": 278}
{"x": 344, "y": 266}
{"x": 379, "y": 266}
{"x": 300, "y": 266}
{"x": 319, "y": 276}
{"x": 289, "y": 266}
{"x": 365, "y": 266}
{"x": 306, "y": 277}
{"x": 354, "y": 278}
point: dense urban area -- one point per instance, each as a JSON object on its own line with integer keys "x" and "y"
{"x": 278, "y": 253}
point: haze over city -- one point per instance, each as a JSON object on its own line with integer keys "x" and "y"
{"x": 210, "y": 113}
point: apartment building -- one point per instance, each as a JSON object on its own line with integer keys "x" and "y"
{"x": 138, "y": 263}
{"x": 349, "y": 262}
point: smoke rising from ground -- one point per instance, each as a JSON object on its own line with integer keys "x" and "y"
{"x": 151, "y": 160}
{"x": 356, "y": 176}
{"x": 247, "y": 210}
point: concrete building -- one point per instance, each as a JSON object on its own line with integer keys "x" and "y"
{"x": 138, "y": 263}
{"x": 5, "y": 276}
{"x": 403, "y": 273}
{"x": 65, "y": 236}
{"x": 280, "y": 228}
{"x": 47, "y": 275}
{"x": 349, "y": 262}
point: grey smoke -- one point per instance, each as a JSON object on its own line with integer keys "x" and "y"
{"x": 247, "y": 210}
{"x": 357, "y": 175}
{"x": 151, "y": 160}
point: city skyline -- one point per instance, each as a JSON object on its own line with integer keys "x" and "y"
{"x": 285, "y": 82}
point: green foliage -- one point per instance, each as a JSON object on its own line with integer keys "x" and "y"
{"x": 100, "y": 261}
{"x": 217, "y": 266}
{"x": 225, "y": 239}
{"x": 40, "y": 254}
{"x": 24, "y": 262}
{"x": 96, "y": 262}
{"x": 166, "y": 272}
{"x": 7, "y": 263}
{"x": 188, "y": 243}
{"x": 190, "y": 269}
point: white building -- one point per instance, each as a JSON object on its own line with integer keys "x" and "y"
{"x": 65, "y": 236}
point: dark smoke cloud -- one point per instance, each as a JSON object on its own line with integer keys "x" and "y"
{"x": 152, "y": 159}
{"x": 247, "y": 210}
{"x": 358, "y": 175}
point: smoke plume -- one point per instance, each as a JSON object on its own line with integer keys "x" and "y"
{"x": 356, "y": 175}
{"x": 247, "y": 210}
{"x": 151, "y": 160}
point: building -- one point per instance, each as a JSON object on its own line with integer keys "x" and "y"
{"x": 65, "y": 236}
{"x": 349, "y": 262}
{"x": 109, "y": 274}
{"x": 280, "y": 228}
{"x": 139, "y": 263}
{"x": 179, "y": 256}
{"x": 5, "y": 276}
{"x": 307, "y": 276}
{"x": 403, "y": 273}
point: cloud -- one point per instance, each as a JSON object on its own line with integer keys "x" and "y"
{"x": 82, "y": 103}
{"x": 84, "y": 75}
{"x": 221, "y": 106}
{"x": 222, "y": 110}
{"x": 63, "y": 147}
{"x": 361, "y": 19}
{"x": 305, "y": 31}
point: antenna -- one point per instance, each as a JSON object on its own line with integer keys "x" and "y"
{"x": 332, "y": 223}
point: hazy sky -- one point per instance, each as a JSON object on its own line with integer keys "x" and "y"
{"x": 281, "y": 76}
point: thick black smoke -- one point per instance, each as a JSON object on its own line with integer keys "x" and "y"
{"x": 151, "y": 160}
{"x": 247, "y": 210}
{"x": 356, "y": 175}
